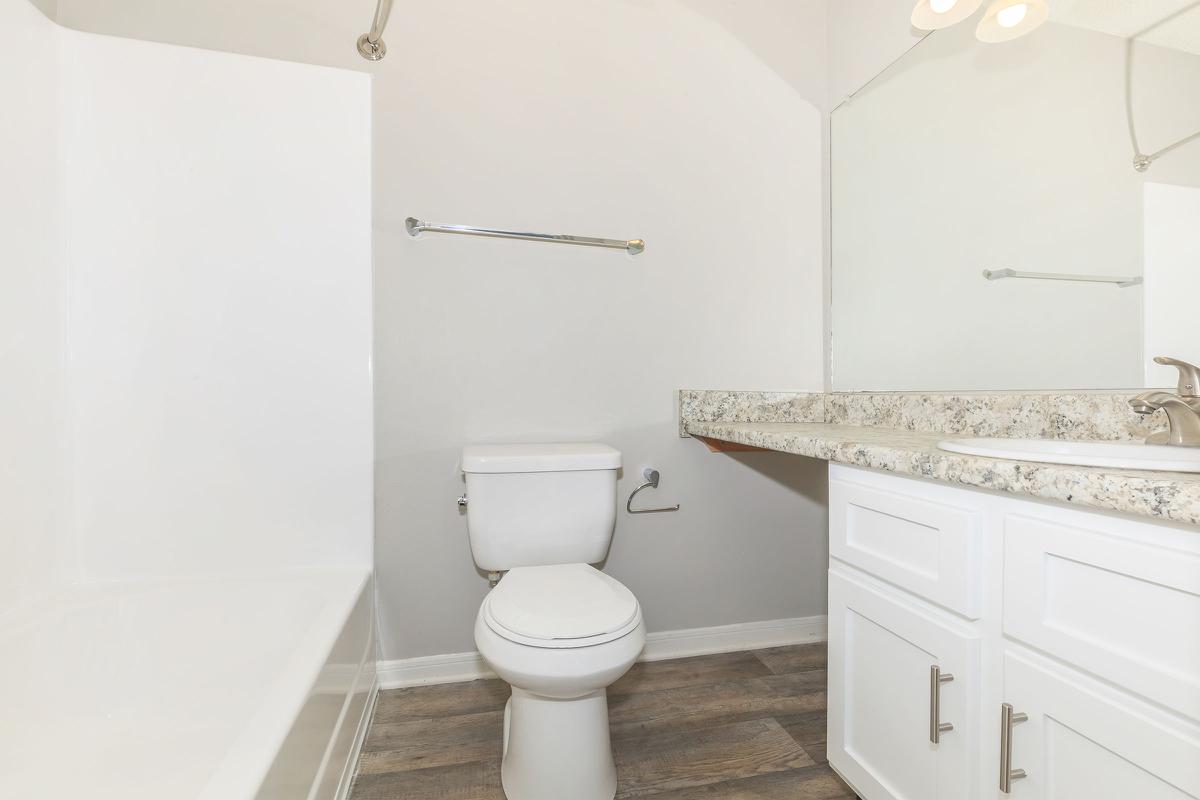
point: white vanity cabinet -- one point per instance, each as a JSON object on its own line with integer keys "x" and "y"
{"x": 1087, "y": 625}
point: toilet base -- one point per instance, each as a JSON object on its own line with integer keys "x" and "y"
{"x": 556, "y": 749}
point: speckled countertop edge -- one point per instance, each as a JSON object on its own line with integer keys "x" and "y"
{"x": 1173, "y": 497}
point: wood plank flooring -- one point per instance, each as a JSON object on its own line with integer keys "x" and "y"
{"x": 736, "y": 726}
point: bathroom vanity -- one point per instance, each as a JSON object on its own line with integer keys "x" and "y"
{"x": 982, "y": 645}
{"x": 996, "y": 627}
{"x": 999, "y": 626}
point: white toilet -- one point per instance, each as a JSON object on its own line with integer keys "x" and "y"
{"x": 556, "y": 629}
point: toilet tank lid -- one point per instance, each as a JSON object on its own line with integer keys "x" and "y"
{"x": 564, "y": 457}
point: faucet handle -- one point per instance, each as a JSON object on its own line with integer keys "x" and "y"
{"x": 1189, "y": 375}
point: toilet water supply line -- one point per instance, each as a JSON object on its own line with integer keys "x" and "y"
{"x": 370, "y": 44}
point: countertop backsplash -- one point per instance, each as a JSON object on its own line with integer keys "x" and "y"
{"x": 1021, "y": 415}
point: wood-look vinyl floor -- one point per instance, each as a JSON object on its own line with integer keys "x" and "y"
{"x": 737, "y": 726}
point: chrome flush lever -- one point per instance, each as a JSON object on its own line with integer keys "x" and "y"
{"x": 650, "y": 475}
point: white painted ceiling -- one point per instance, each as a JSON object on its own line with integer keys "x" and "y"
{"x": 1167, "y": 23}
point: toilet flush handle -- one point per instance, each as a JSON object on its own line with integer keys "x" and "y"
{"x": 650, "y": 475}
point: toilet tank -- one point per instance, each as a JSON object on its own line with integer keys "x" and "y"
{"x": 535, "y": 504}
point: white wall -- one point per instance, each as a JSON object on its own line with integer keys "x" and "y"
{"x": 185, "y": 311}
{"x": 865, "y": 36}
{"x": 1172, "y": 278}
{"x": 691, "y": 123}
{"x": 967, "y": 157}
{"x": 216, "y": 212}
{"x": 31, "y": 309}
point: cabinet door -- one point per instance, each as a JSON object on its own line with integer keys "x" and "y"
{"x": 882, "y": 645}
{"x": 1084, "y": 740}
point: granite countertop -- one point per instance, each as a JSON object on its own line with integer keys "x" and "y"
{"x": 1167, "y": 496}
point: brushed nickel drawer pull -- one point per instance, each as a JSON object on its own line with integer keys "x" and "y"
{"x": 1008, "y": 718}
{"x": 936, "y": 726}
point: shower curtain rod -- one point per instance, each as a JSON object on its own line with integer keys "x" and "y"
{"x": 370, "y": 44}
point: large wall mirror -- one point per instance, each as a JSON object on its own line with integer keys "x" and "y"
{"x": 1015, "y": 158}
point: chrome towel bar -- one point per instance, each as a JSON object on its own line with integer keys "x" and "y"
{"x": 631, "y": 246}
{"x": 1121, "y": 281}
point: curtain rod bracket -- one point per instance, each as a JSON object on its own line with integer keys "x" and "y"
{"x": 370, "y": 44}
{"x": 371, "y": 51}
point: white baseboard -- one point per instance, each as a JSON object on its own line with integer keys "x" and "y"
{"x": 459, "y": 667}
{"x": 731, "y": 638}
{"x": 448, "y": 668}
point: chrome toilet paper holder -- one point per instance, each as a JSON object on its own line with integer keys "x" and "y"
{"x": 650, "y": 476}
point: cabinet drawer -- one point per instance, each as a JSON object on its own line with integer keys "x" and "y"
{"x": 917, "y": 536}
{"x": 1115, "y": 598}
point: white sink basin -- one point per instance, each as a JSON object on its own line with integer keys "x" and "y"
{"x": 1117, "y": 455}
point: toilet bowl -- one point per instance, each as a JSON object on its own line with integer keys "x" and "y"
{"x": 560, "y": 635}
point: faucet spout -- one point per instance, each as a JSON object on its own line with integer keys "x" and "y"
{"x": 1183, "y": 417}
{"x": 1182, "y": 410}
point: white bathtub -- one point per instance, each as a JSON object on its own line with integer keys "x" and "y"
{"x": 219, "y": 689}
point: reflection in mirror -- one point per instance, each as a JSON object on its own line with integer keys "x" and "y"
{"x": 47, "y": 7}
{"x": 1072, "y": 151}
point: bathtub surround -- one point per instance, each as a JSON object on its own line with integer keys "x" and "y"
{"x": 31, "y": 312}
{"x": 185, "y": 340}
{"x": 231, "y": 405}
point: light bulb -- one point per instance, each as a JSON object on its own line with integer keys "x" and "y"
{"x": 932, "y": 15}
{"x": 1006, "y": 20}
{"x": 1012, "y": 16}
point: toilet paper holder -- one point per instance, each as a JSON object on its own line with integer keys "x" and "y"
{"x": 650, "y": 476}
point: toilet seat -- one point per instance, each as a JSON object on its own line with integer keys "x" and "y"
{"x": 560, "y": 606}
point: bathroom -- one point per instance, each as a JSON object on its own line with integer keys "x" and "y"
{"x": 277, "y": 440}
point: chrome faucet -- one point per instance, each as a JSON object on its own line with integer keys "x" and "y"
{"x": 1182, "y": 409}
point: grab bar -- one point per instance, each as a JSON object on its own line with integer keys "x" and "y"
{"x": 631, "y": 246}
{"x": 1121, "y": 281}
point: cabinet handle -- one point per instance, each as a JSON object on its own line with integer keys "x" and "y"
{"x": 1008, "y": 718}
{"x": 936, "y": 726}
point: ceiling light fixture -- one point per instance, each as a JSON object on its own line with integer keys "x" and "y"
{"x": 932, "y": 15}
{"x": 1004, "y": 19}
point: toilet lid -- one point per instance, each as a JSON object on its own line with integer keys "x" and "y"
{"x": 560, "y": 602}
